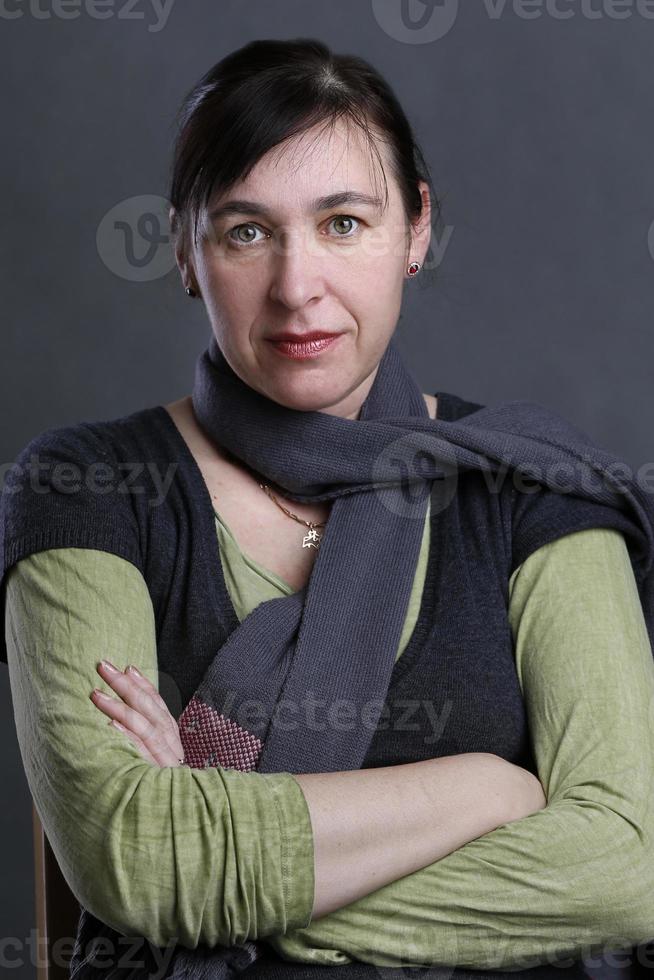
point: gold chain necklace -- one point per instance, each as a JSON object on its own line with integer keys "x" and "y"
{"x": 314, "y": 537}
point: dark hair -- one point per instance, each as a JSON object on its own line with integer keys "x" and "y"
{"x": 269, "y": 91}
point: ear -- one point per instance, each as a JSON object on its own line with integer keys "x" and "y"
{"x": 421, "y": 229}
{"x": 184, "y": 263}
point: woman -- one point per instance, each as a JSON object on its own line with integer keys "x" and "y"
{"x": 484, "y": 801}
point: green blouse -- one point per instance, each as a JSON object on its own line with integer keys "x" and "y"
{"x": 218, "y": 855}
{"x": 249, "y": 583}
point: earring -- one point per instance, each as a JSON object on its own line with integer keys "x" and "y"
{"x": 190, "y": 292}
{"x": 413, "y": 269}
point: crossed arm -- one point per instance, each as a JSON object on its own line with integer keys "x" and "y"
{"x": 155, "y": 843}
{"x": 579, "y": 872}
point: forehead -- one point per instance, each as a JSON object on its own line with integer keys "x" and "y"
{"x": 325, "y": 159}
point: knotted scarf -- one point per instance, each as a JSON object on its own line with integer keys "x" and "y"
{"x": 336, "y": 638}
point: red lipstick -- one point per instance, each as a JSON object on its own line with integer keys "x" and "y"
{"x": 299, "y": 346}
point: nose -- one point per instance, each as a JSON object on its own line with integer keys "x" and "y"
{"x": 297, "y": 276}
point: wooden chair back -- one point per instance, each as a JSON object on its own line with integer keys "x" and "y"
{"x": 57, "y": 909}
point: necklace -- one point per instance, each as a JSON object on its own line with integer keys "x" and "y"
{"x": 313, "y": 537}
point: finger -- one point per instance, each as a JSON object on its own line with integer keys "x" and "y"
{"x": 146, "y": 685}
{"x": 136, "y": 742}
{"x": 156, "y": 741}
{"x": 176, "y": 760}
{"x": 143, "y": 697}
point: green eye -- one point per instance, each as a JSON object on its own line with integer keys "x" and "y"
{"x": 345, "y": 218}
{"x": 235, "y": 235}
{"x": 238, "y": 241}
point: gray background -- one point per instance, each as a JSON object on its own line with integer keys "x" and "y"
{"x": 538, "y": 131}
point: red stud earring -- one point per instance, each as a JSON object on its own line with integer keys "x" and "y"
{"x": 413, "y": 269}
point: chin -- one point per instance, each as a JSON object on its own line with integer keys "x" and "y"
{"x": 305, "y": 396}
{"x": 307, "y": 403}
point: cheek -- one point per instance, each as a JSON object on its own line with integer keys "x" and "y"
{"x": 379, "y": 279}
{"x": 382, "y": 252}
{"x": 233, "y": 291}
{"x": 375, "y": 290}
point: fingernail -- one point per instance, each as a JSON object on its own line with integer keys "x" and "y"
{"x": 133, "y": 670}
{"x": 101, "y": 694}
{"x": 109, "y": 666}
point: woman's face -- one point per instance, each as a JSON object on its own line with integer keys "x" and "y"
{"x": 272, "y": 256}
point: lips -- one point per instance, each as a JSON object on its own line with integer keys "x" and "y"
{"x": 303, "y": 349}
{"x": 302, "y": 338}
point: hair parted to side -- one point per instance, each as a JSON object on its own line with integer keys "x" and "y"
{"x": 269, "y": 91}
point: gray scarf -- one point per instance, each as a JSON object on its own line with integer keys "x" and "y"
{"x": 337, "y": 637}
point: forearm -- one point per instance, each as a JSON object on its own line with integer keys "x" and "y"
{"x": 373, "y": 826}
{"x": 582, "y": 869}
{"x": 521, "y": 895}
{"x": 191, "y": 855}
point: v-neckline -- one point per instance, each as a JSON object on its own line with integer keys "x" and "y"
{"x": 224, "y": 598}
{"x": 252, "y": 563}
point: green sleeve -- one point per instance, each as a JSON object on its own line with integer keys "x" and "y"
{"x": 580, "y": 871}
{"x": 214, "y": 855}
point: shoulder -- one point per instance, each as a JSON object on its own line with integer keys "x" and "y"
{"x": 84, "y": 485}
{"x": 57, "y": 462}
{"x": 542, "y": 465}
{"x": 95, "y": 438}
{"x": 90, "y": 457}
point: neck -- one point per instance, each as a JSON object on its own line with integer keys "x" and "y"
{"x": 350, "y": 406}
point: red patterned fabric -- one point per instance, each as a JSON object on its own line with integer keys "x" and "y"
{"x": 211, "y": 739}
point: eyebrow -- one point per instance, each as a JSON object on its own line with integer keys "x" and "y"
{"x": 325, "y": 203}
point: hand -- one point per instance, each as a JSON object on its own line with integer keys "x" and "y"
{"x": 141, "y": 714}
